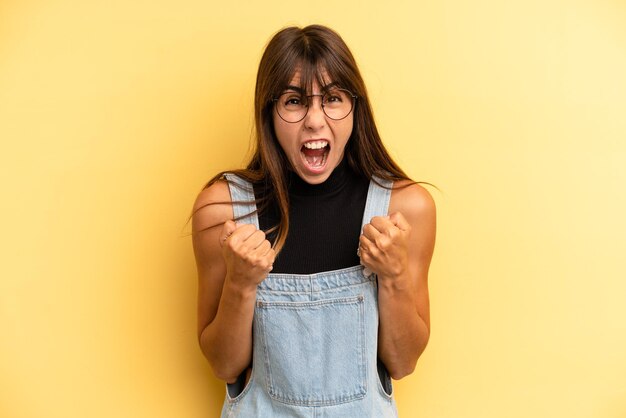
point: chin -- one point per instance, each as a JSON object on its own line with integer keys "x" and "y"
{"x": 313, "y": 178}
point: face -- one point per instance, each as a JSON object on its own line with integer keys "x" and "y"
{"x": 315, "y": 145}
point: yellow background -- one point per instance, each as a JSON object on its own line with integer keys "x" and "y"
{"x": 113, "y": 114}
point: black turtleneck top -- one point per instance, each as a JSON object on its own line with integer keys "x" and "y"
{"x": 324, "y": 222}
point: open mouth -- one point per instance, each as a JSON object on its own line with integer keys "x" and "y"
{"x": 315, "y": 153}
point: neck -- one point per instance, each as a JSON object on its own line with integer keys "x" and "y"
{"x": 336, "y": 179}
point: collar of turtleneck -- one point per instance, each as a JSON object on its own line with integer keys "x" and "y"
{"x": 335, "y": 181}
{"x": 324, "y": 221}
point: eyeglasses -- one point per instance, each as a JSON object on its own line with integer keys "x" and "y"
{"x": 293, "y": 106}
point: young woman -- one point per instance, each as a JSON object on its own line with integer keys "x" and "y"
{"x": 313, "y": 260}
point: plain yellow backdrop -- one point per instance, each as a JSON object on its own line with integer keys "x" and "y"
{"x": 114, "y": 114}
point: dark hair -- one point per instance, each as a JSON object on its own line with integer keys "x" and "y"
{"x": 316, "y": 51}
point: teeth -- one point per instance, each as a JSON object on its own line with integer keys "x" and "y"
{"x": 315, "y": 144}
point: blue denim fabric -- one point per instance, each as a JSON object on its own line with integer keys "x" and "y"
{"x": 315, "y": 338}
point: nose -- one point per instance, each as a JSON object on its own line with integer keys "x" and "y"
{"x": 315, "y": 116}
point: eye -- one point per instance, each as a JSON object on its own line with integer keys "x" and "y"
{"x": 292, "y": 100}
{"x": 335, "y": 97}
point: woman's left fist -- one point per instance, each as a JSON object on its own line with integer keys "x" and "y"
{"x": 383, "y": 245}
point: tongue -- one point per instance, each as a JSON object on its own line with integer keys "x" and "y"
{"x": 314, "y": 156}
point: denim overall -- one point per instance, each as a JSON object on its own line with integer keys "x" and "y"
{"x": 315, "y": 338}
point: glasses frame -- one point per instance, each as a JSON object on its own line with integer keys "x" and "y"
{"x": 308, "y": 96}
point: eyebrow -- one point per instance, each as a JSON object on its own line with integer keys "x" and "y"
{"x": 301, "y": 91}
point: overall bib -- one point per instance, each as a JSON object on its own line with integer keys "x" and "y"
{"x": 315, "y": 337}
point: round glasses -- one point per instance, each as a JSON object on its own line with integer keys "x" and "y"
{"x": 293, "y": 106}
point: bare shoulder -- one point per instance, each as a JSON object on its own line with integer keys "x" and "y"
{"x": 212, "y": 206}
{"x": 417, "y": 206}
{"x": 211, "y": 209}
{"x": 413, "y": 201}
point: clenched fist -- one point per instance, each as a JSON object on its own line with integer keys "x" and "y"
{"x": 249, "y": 257}
{"x": 383, "y": 246}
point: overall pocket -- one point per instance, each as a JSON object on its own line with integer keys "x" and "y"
{"x": 235, "y": 391}
{"x": 314, "y": 351}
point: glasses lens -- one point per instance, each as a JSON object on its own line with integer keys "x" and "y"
{"x": 291, "y": 106}
{"x": 337, "y": 103}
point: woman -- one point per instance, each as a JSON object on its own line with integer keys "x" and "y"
{"x": 313, "y": 316}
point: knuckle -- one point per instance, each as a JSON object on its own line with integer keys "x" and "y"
{"x": 247, "y": 228}
{"x": 255, "y": 261}
{"x": 242, "y": 250}
{"x": 232, "y": 245}
{"x": 243, "y": 256}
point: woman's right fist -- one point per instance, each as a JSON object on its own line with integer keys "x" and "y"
{"x": 248, "y": 255}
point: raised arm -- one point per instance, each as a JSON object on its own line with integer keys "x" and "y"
{"x": 231, "y": 260}
{"x": 399, "y": 249}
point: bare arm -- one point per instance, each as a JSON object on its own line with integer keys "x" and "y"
{"x": 231, "y": 261}
{"x": 399, "y": 249}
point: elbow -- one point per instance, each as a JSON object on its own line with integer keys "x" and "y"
{"x": 222, "y": 370}
{"x": 400, "y": 369}
{"x": 399, "y": 372}
{"x": 224, "y": 367}
{"x": 231, "y": 374}
{"x": 224, "y": 374}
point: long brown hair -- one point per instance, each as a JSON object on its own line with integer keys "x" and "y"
{"x": 315, "y": 51}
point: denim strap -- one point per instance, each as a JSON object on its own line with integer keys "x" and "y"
{"x": 378, "y": 197}
{"x": 242, "y": 191}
